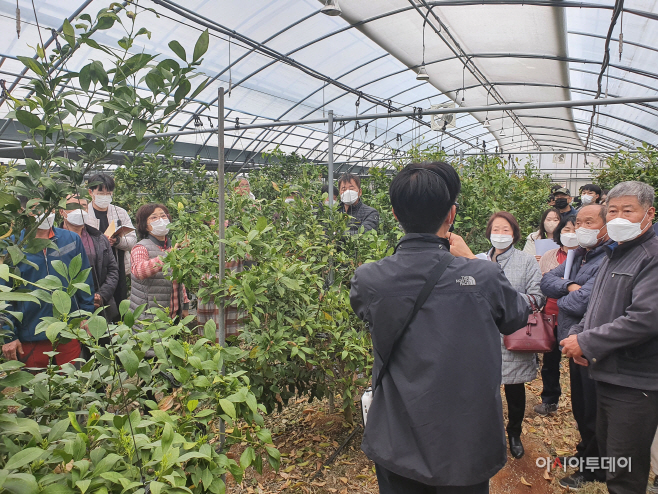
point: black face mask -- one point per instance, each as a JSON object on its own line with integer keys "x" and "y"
{"x": 561, "y": 203}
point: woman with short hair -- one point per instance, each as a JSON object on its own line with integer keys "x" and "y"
{"x": 521, "y": 270}
{"x": 148, "y": 283}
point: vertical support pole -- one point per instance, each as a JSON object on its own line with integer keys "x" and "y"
{"x": 330, "y": 181}
{"x": 330, "y": 159}
{"x": 222, "y": 207}
{"x": 222, "y": 251}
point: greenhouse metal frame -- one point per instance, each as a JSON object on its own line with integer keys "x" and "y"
{"x": 288, "y": 64}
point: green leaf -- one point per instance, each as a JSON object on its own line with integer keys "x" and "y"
{"x": 57, "y": 489}
{"x": 61, "y": 269}
{"x": 53, "y": 330}
{"x": 33, "y": 65}
{"x": 58, "y": 429}
{"x": 62, "y": 302}
{"x": 228, "y": 407}
{"x": 210, "y": 330}
{"x": 167, "y": 437}
{"x": 33, "y": 168}
{"x": 69, "y": 32}
{"x": 74, "y": 422}
{"x": 28, "y": 119}
{"x": 265, "y": 436}
{"x": 178, "y": 49}
{"x": 247, "y": 457}
{"x": 83, "y": 485}
{"x": 261, "y": 223}
{"x": 129, "y": 360}
{"x": 20, "y": 483}
{"x": 16, "y": 379}
{"x": 124, "y": 306}
{"x": 139, "y": 127}
{"x": 16, "y": 254}
{"x": 75, "y": 266}
{"x": 176, "y": 349}
{"x": 201, "y": 46}
{"x": 192, "y": 404}
{"x": 18, "y": 297}
{"x": 24, "y": 457}
{"x": 97, "y": 326}
{"x": 182, "y": 90}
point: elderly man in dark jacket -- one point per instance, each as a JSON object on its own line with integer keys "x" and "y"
{"x": 364, "y": 216}
{"x": 618, "y": 339}
{"x": 435, "y": 424}
{"x": 572, "y": 293}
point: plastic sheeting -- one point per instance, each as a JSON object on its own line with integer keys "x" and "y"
{"x": 520, "y": 53}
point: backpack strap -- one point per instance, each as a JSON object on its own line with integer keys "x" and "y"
{"x": 432, "y": 280}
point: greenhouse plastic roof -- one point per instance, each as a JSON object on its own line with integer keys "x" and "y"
{"x": 285, "y": 60}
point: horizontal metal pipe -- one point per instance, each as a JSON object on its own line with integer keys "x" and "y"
{"x": 441, "y": 111}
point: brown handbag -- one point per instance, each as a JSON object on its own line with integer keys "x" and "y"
{"x": 538, "y": 336}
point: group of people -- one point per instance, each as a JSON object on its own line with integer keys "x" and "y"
{"x": 435, "y": 424}
{"x": 115, "y": 249}
{"x": 436, "y": 421}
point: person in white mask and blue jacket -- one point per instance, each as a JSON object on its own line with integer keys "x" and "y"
{"x": 618, "y": 338}
{"x": 572, "y": 293}
{"x": 522, "y": 271}
{"x": 364, "y": 216}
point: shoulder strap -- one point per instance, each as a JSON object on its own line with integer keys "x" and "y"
{"x": 432, "y": 280}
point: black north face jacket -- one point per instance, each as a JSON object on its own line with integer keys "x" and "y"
{"x": 437, "y": 416}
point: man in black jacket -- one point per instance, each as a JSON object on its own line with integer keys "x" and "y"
{"x": 364, "y": 216}
{"x": 436, "y": 423}
{"x": 618, "y": 339}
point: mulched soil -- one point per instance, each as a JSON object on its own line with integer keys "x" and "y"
{"x": 307, "y": 435}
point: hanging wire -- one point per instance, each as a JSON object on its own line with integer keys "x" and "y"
{"x": 18, "y": 20}
{"x": 621, "y": 35}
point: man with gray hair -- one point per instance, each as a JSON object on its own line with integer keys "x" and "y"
{"x": 618, "y": 339}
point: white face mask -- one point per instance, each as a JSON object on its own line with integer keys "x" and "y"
{"x": 77, "y": 217}
{"x": 102, "y": 202}
{"x": 587, "y": 238}
{"x": 569, "y": 239}
{"x": 500, "y": 241}
{"x": 622, "y": 230}
{"x": 48, "y": 223}
{"x": 550, "y": 226}
{"x": 349, "y": 197}
{"x": 289, "y": 200}
{"x": 159, "y": 227}
{"x": 585, "y": 199}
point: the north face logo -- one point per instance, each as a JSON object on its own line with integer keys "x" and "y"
{"x": 466, "y": 281}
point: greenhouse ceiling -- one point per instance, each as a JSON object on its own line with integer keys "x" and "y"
{"x": 286, "y": 60}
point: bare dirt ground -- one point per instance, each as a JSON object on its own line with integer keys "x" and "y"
{"x": 307, "y": 435}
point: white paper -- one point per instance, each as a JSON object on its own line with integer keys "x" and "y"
{"x": 543, "y": 245}
{"x": 569, "y": 263}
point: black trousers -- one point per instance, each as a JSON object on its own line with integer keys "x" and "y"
{"x": 583, "y": 405}
{"x": 515, "y": 397}
{"x": 550, "y": 375}
{"x": 392, "y": 483}
{"x": 626, "y": 423}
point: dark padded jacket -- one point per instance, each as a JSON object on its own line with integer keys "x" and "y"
{"x": 437, "y": 415}
{"x": 573, "y": 305}
{"x": 619, "y": 334}
{"x": 106, "y": 270}
{"x": 362, "y": 216}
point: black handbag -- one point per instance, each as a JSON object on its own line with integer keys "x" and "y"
{"x": 432, "y": 280}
